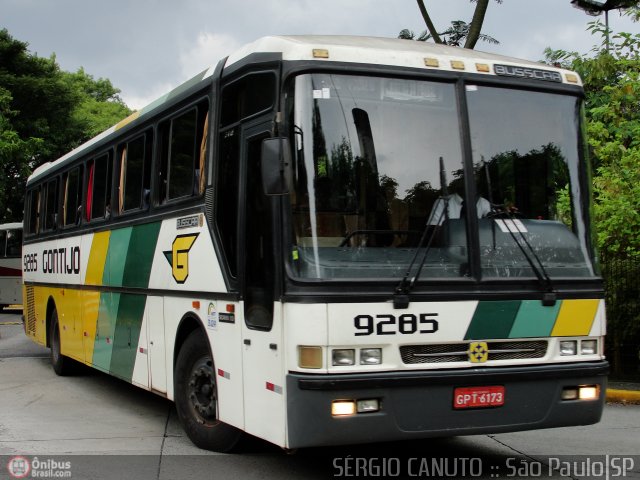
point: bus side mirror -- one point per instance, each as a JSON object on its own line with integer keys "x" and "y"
{"x": 276, "y": 159}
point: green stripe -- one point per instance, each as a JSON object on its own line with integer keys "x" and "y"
{"x": 107, "y": 314}
{"x": 492, "y": 320}
{"x": 142, "y": 246}
{"x": 534, "y": 319}
{"x": 127, "y": 334}
{"x": 116, "y": 257}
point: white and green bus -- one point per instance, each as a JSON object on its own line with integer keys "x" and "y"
{"x": 282, "y": 247}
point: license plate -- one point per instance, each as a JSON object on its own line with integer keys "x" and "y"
{"x": 478, "y": 397}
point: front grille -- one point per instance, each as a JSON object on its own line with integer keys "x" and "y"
{"x": 457, "y": 352}
{"x": 31, "y": 311}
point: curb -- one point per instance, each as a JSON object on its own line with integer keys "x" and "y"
{"x": 623, "y": 396}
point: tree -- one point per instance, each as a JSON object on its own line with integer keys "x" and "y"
{"x": 612, "y": 85}
{"x": 44, "y": 113}
{"x": 459, "y": 31}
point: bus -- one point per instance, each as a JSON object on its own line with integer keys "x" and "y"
{"x": 281, "y": 247}
{"x": 10, "y": 264}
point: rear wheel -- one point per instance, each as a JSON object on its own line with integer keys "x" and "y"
{"x": 196, "y": 397}
{"x": 61, "y": 365}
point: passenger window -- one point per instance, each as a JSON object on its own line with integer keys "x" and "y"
{"x": 33, "y": 217}
{"x": 99, "y": 188}
{"x": 72, "y": 203}
{"x": 135, "y": 173}
{"x": 3, "y": 242}
{"x": 182, "y": 159}
{"x": 50, "y": 220}
{"x": 14, "y": 243}
{"x": 248, "y": 96}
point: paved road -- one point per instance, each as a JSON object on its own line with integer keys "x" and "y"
{"x": 115, "y": 430}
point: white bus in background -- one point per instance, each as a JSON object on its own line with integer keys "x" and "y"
{"x": 10, "y": 264}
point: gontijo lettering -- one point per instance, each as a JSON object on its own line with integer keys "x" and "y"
{"x": 61, "y": 260}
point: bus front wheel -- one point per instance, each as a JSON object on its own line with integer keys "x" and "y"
{"x": 61, "y": 365}
{"x": 196, "y": 397}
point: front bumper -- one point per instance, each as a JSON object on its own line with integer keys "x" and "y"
{"x": 420, "y": 404}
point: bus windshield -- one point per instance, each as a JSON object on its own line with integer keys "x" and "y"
{"x": 379, "y": 173}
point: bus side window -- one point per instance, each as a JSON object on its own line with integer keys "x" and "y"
{"x": 182, "y": 154}
{"x": 72, "y": 202}
{"x": 99, "y": 188}
{"x": 135, "y": 173}
{"x": 50, "y": 206}
{"x": 32, "y": 222}
{"x": 14, "y": 243}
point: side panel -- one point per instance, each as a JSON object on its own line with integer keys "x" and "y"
{"x": 264, "y": 381}
{"x": 224, "y": 330}
{"x": 140, "y": 376}
{"x": 154, "y": 317}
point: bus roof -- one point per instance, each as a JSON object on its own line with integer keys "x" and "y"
{"x": 349, "y": 49}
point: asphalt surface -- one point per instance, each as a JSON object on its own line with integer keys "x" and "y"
{"x": 107, "y": 428}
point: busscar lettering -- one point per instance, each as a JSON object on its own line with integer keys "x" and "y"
{"x": 524, "y": 72}
{"x": 61, "y": 260}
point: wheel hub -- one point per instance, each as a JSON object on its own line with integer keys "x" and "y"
{"x": 202, "y": 391}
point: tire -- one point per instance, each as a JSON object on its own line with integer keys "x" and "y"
{"x": 62, "y": 365}
{"x": 195, "y": 395}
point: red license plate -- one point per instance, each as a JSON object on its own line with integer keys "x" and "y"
{"x": 478, "y": 397}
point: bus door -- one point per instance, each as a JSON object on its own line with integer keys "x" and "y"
{"x": 263, "y": 378}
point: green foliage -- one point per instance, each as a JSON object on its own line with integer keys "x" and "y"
{"x": 612, "y": 87}
{"x": 44, "y": 113}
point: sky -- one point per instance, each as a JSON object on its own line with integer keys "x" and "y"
{"x": 148, "y": 47}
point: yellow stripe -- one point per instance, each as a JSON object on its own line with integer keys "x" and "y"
{"x": 90, "y": 309}
{"x": 575, "y": 318}
{"x": 97, "y": 258}
{"x": 128, "y": 120}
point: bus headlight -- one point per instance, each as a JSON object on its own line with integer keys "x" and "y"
{"x": 588, "y": 347}
{"x": 370, "y": 356}
{"x": 568, "y": 347}
{"x": 344, "y": 357}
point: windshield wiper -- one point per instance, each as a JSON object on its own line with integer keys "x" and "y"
{"x": 404, "y": 287}
{"x": 549, "y": 296}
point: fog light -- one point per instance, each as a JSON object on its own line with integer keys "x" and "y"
{"x": 344, "y": 357}
{"x": 371, "y": 356}
{"x": 568, "y": 347}
{"x": 589, "y": 393}
{"x": 588, "y": 347}
{"x": 343, "y": 407}
{"x": 366, "y": 406}
{"x": 310, "y": 357}
{"x": 570, "y": 393}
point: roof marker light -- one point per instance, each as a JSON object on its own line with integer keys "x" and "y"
{"x": 482, "y": 67}
{"x": 431, "y": 62}
{"x": 320, "y": 53}
{"x": 571, "y": 78}
{"x": 457, "y": 64}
